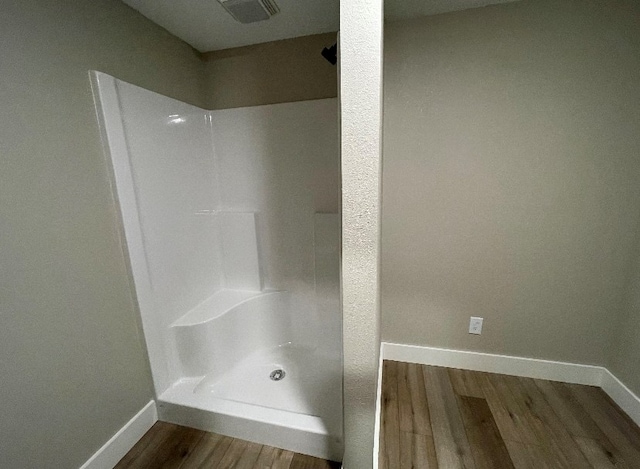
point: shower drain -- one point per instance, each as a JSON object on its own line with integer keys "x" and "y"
{"x": 277, "y": 375}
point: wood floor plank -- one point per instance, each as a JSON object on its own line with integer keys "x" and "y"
{"x": 209, "y": 446}
{"x": 571, "y": 413}
{"x": 508, "y": 415}
{"x": 413, "y": 411}
{"x": 173, "y": 453}
{"x": 577, "y": 420}
{"x": 518, "y": 409}
{"x": 172, "y": 446}
{"x": 273, "y": 458}
{"x": 405, "y": 412}
{"x": 595, "y": 405}
{"x": 283, "y": 459}
{"x": 525, "y": 456}
{"x": 633, "y": 427}
{"x": 487, "y": 446}
{"x": 622, "y": 420}
{"x": 417, "y": 451}
{"x": 249, "y": 457}
{"x": 550, "y": 430}
{"x": 301, "y": 461}
{"x": 505, "y": 421}
{"x": 214, "y": 457}
{"x": 147, "y": 446}
{"x": 449, "y": 436}
{"x": 265, "y": 458}
{"x": 390, "y": 436}
{"x": 233, "y": 454}
{"x": 539, "y": 435}
{"x": 465, "y": 383}
{"x": 597, "y": 455}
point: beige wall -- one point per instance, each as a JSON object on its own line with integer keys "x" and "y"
{"x": 625, "y": 356}
{"x": 511, "y": 180}
{"x": 72, "y": 363}
{"x": 274, "y": 72}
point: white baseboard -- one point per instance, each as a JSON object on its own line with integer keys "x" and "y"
{"x": 517, "y": 366}
{"x": 621, "y": 395}
{"x": 504, "y": 364}
{"x": 120, "y": 443}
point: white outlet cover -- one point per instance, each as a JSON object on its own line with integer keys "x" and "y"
{"x": 475, "y": 325}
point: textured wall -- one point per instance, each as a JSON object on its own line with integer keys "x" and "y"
{"x": 274, "y": 72}
{"x": 361, "y": 106}
{"x": 511, "y": 177}
{"x": 73, "y": 364}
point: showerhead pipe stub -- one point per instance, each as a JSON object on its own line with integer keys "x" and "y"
{"x": 331, "y": 54}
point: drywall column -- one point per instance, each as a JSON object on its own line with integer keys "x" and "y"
{"x": 361, "y": 101}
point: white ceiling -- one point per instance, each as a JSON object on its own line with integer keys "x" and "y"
{"x": 402, "y": 9}
{"x": 207, "y": 26}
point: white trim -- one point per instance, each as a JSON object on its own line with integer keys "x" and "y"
{"x": 504, "y": 364}
{"x": 518, "y": 366}
{"x": 621, "y": 395}
{"x": 120, "y": 443}
{"x": 378, "y": 416}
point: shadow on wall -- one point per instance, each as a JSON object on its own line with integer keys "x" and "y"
{"x": 274, "y": 72}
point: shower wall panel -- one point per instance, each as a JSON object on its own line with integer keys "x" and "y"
{"x": 164, "y": 172}
{"x": 282, "y": 162}
{"x": 232, "y": 230}
{"x": 173, "y": 169}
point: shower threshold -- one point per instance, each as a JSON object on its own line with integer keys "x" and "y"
{"x": 301, "y": 412}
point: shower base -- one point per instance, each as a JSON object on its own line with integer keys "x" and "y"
{"x": 301, "y": 412}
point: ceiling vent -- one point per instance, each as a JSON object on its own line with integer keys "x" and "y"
{"x": 250, "y": 11}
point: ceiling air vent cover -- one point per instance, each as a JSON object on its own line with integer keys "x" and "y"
{"x": 250, "y": 11}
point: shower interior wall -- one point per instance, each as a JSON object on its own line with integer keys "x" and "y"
{"x": 225, "y": 200}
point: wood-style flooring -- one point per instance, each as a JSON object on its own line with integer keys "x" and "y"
{"x": 445, "y": 418}
{"x": 170, "y": 446}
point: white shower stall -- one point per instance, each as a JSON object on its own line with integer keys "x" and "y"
{"x": 232, "y": 232}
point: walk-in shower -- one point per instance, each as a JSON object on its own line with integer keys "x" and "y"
{"x": 232, "y": 232}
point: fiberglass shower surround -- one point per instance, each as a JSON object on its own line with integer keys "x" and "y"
{"x": 231, "y": 224}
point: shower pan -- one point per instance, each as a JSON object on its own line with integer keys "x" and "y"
{"x": 232, "y": 235}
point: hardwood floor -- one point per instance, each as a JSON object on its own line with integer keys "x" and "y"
{"x": 444, "y": 418}
{"x": 170, "y": 446}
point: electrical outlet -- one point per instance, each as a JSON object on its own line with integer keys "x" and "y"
{"x": 475, "y": 325}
